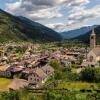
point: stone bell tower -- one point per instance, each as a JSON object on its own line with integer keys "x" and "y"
{"x": 93, "y": 40}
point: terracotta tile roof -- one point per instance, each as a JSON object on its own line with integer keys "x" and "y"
{"x": 3, "y": 68}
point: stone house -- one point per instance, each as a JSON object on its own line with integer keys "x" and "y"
{"x": 47, "y": 69}
{"x": 15, "y": 71}
{"x": 37, "y": 77}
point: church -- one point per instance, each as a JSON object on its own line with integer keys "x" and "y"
{"x": 93, "y": 57}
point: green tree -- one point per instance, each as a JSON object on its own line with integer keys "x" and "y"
{"x": 14, "y": 95}
{"x": 32, "y": 97}
{"x": 60, "y": 95}
{"x": 97, "y": 75}
{"x": 90, "y": 74}
{"x": 87, "y": 74}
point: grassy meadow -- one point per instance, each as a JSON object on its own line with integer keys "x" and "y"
{"x": 4, "y": 83}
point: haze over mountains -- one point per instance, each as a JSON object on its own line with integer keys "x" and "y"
{"x": 85, "y": 37}
{"x": 22, "y": 29}
{"x": 82, "y": 34}
{"x": 77, "y": 32}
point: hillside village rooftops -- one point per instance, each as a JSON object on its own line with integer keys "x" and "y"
{"x": 2, "y": 51}
{"x": 3, "y": 68}
{"x": 4, "y": 58}
{"x": 17, "y": 69}
{"x": 87, "y": 63}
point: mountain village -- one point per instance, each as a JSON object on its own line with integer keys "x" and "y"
{"x": 32, "y": 66}
{"x": 49, "y": 49}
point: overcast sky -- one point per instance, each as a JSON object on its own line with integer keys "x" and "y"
{"x": 60, "y": 15}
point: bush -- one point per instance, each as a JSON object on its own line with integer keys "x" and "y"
{"x": 14, "y": 95}
{"x": 90, "y": 74}
{"x": 55, "y": 64}
{"x": 60, "y": 95}
{"x": 58, "y": 75}
{"x": 87, "y": 74}
{"x": 97, "y": 75}
{"x": 73, "y": 77}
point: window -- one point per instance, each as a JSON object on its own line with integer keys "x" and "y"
{"x": 92, "y": 37}
{"x": 37, "y": 80}
{"x": 30, "y": 78}
{"x": 91, "y": 58}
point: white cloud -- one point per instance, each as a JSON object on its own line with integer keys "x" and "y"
{"x": 78, "y": 3}
{"x": 78, "y": 18}
{"x": 60, "y": 27}
{"x": 49, "y": 9}
{"x": 83, "y": 14}
{"x": 57, "y": 26}
{"x": 45, "y": 13}
{"x": 37, "y": 9}
{"x": 13, "y": 6}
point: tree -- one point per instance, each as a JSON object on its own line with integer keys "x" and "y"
{"x": 14, "y": 95}
{"x": 97, "y": 75}
{"x": 60, "y": 95}
{"x": 87, "y": 74}
{"x": 90, "y": 74}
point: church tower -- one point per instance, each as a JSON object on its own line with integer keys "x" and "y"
{"x": 93, "y": 40}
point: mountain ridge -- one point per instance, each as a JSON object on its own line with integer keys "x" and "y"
{"x": 77, "y": 32}
{"x": 86, "y": 37}
{"x": 23, "y": 29}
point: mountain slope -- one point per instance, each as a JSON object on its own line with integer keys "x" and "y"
{"x": 76, "y": 32}
{"x": 86, "y": 37}
{"x": 22, "y": 29}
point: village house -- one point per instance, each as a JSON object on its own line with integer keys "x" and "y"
{"x": 47, "y": 69}
{"x": 4, "y": 60}
{"x": 16, "y": 70}
{"x": 37, "y": 77}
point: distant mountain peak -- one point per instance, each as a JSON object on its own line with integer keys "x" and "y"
{"x": 77, "y": 32}
{"x": 1, "y": 10}
{"x": 85, "y": 37}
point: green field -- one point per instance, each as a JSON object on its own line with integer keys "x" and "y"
{"x": 4, "y": 82}
{"x": 77, "y": 85}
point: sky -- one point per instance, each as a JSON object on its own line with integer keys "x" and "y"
{"x": 60, "y": 15}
